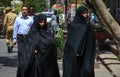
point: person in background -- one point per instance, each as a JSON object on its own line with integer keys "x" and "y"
{"x": 31, "y": 12}
{"x": 9, "y": 25}
{"x": 2, "y": 33}
{"x": 22, "y": 26}
{"x": 55, "y": 23}
{"x": 80, "y": 47}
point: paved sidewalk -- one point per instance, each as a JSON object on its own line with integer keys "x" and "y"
{"x": 100, "y": 69}
{"x": 99, "y": 72}
{"x": 111, "y": 63}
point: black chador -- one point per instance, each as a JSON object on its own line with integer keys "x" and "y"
{"x": 43, "y": 63}
{"x": 79, "y": 50}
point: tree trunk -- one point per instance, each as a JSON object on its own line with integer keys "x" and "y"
{"x": 109, "y": 21}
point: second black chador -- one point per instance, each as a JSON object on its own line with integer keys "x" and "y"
{"x": 80, "y": 41}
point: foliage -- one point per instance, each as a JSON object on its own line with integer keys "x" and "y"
{"x": 39, "y": 5}
{"x": 60, "y": 11}
{"x": 7, "y": 3}
{"x": 18, "y": 8}
{"x": 105, "y": 2}
{"x": 84, "y": 4}
{"x": 59, "y": 43}
{"x": 118, "y": 57}
{"x": 59, "y": 39}
{"x": 61, "y": 21}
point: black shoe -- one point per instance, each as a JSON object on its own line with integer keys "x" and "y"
{"x": 9, "y": 49}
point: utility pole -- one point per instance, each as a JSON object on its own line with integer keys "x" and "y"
{"x": 75, "y": 6}
{"x": 66, "y": 23}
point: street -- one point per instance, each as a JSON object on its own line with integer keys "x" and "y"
{"x": 8, "y": 64}
{"x": 8, "y": 61}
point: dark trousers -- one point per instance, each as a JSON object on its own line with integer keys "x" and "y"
{"x": 21, "y": 42}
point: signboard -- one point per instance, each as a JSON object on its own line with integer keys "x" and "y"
{"x": 68, "y": 8}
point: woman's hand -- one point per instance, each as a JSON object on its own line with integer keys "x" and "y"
{"x": 77, "y": 54}
{"x": 35, "y": 52}
{"x": 42, "y": 23}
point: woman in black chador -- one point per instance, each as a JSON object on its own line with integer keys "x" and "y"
{"x": 39, "y": 56}
{"x": 79, "y": 50}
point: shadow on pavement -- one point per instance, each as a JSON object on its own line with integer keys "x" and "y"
{"x": 103, "y": 60}
{"x": 113, "y": 64}
{"x": 106, "y": 66}
{"x": 9, "y": 61}
{"x": 109, "y": 59}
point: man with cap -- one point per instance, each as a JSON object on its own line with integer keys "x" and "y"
{"x": 9, "y": 25}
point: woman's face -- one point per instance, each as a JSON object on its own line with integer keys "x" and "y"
{"x": 85, "y": 15}
{"x": 42, "y": 23}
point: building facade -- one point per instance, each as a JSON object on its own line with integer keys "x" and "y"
{"x": 114, "y": 6}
